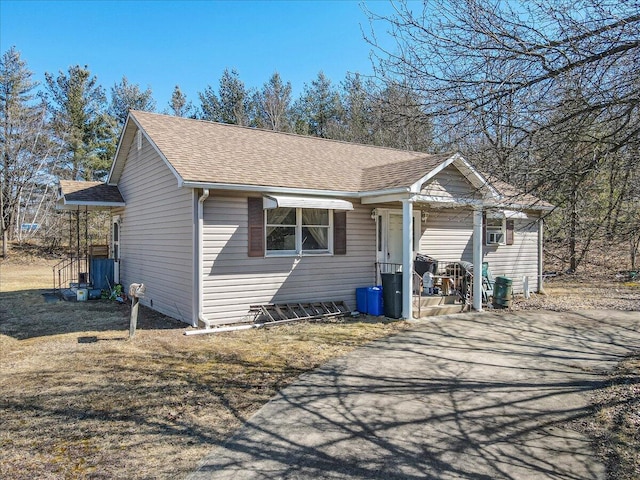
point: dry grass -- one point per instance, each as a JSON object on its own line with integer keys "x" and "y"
{"x": 78, "y": 400}
{"x": 614, "y": 424}
{"x": 571, "y": 292}
{"x": 81, "y": 401}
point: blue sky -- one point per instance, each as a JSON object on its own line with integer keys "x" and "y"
{"x": 163, "y": 43}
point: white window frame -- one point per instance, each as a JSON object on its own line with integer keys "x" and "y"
{"x": 496, "y": 230}
{"x": 298, "y": 251}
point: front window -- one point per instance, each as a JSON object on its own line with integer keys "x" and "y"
{"x": 281, "y": 229}
{"x": 315, "y": 230}
{"x": 298, "y": 230}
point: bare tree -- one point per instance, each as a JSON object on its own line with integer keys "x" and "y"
{"x": 544, "y": 94}
{"x": 273, "y": 105}
{"x": 24, "y": 140}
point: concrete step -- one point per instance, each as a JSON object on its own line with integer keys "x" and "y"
{"x": 434, "y": 310}
{"x": 433, "y": 300}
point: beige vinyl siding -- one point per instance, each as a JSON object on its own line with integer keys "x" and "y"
{"x": 233, "y": 281}
{"x": 517, "y": 260}
{"x": 450, "y": 183}
{"x": 156, "y": 241}
{"x": 448, "y": 236}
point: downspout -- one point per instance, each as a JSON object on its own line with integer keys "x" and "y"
{"x": 200, "y": 269}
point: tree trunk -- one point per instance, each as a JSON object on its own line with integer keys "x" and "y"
{"x": 573, "y": 227}
{"x": 634, "y": 243}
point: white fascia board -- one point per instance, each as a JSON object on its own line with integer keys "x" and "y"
{"x": 445, "y": 201}
{"x": 391, "y": 197}
{"x": 96, "y": 204}
{"x": 388, "y": 191}
{"x": 481, "y": 181}
{"x": 521, "y": 206}
{"x": 267, "y": 189}
{"x": 417, "y": 186}
{"x": 64, "y": 205}
{"x": 115, "y": 156}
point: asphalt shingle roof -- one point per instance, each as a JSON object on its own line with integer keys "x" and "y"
{"x": 99, "y": 192}
{"x": 208, "y": 152}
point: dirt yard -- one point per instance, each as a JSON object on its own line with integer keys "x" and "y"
{"x": 79, "y": 400}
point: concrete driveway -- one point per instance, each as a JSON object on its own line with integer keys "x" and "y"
{"x": 476, "y": 396}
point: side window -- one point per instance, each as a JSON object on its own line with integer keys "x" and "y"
{"x": 496, "y": 231}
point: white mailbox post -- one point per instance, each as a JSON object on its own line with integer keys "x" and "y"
{"x": 136, "y": 291}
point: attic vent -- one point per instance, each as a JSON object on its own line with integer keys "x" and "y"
{"x": 139, "y": 140}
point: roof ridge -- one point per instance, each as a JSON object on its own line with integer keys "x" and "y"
{"x": 276, "y": 132}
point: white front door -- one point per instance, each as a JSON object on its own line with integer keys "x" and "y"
{"x": 394, "y": 238}
{"x": 390, "y": 236}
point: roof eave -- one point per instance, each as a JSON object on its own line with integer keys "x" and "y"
{"x": 63, "y": 204}
{"x": 268, "y": 189}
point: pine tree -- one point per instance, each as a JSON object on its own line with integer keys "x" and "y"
{"x": 232, "y": 103}
{"x": 81, "y": 123}
{"x": 179, "y": 106}
{"x": 126, "y": 96}
{"x": 318, "y": 111}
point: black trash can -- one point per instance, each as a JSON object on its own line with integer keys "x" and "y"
{"x": 392, "y": 294}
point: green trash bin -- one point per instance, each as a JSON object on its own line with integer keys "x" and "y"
{"x": 502, "y": 289}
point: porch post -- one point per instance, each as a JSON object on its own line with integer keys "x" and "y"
{"x": 477, "y": 259}
{"x": 540, "y": 255}
{"x": 407, "y": 259}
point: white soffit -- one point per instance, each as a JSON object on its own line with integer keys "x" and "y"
{"x": 275, "y": 201}
{"x": 510, "y": 214}
{"x": 513, "y": 214}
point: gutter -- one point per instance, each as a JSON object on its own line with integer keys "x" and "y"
{"x": 200, "y": 269}
{"x": 269, "y": 189}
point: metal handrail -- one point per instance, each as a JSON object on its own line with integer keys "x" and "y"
{"x": 67, "y": 270}
{"x": 460, "y": 280}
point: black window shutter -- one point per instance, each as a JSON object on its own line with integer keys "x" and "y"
{"x": 510, "y": 226}
{"x": 340, "y": 232}
{"x": 256, "y": 227}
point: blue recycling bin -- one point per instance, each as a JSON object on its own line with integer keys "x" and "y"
{"x": 361, "y": 300}
{"x": 375, "y": 304}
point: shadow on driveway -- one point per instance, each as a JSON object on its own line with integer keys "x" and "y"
{"x": 479, "y": 396}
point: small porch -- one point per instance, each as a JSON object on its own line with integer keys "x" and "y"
{"x": 440, "y": 287}
{"x": 401, "y": 216}
{"x": 398, "y": 234}
{"x": 91, "y": 266}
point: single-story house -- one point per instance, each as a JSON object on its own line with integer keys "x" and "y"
{"x": 214, "y": 218}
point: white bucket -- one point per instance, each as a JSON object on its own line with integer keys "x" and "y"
{"x": 82, "y": 294}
